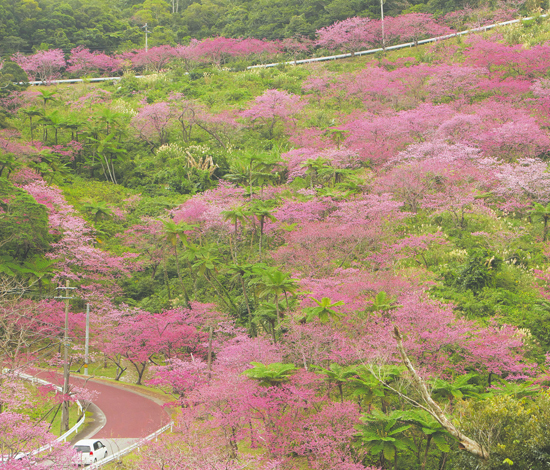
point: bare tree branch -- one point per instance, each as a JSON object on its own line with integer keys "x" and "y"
{"x": 469, "y": 445}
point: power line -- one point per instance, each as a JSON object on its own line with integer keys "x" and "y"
{"x": 22, "y": 366}
{"x": 21, "y": 315}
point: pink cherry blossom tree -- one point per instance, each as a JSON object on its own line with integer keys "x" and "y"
{"x": 180, "y": 377}
{"x": 43, "y": 65}
{"x": 295, "y": 46}
{"x": 527, "y": 180}
{"x": 155, "y": 59}
{"x": 189, "y": 55}
{"x": 222, "y": 127}
{"x": 541, "y": 89}
{"x": 75, "y": 252}
{"x": 141, "y": 337}
{"x": 350, "y": 35}
{"x": 414, "y": 27}
{"x": 19, "y": 436}
{"x": 455, "y": 83}
{"x": 250, "y": 48}
{"x": 504, "y": 60}
{"x": 152, "y": 123}
{"x": 85, "y": 62}
{"x": 273, "y": 106}
{"x": 217, "y": 50}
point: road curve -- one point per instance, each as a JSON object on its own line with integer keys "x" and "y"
{"x": 128, "y": 414}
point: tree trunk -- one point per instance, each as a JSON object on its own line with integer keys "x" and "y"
{"x": 193, "y": 278}
{"x": 247, "y": 304}
{"x": 228, "y": 295}
{"x": 235, "y": 239}
{"x": 179, "y": 276}
{"x": 119, "y": 371}
{"x": 443, "y": 461}
{"x": 261, "y": 235}
{"x": 428, "y": 442}
{"x": 252, "y": 440}
{"x": 273, "y": 333}
{"x": 166, "y": 281}
{"x": 222, "y": 298}
{"x": 287, "y": 306}
{"x": 277, "y": 308}
{"x": 140, "y": 369}
{"x": 210, "y": 334}
{"x": 434, "y": 409}
{"x": 250, "y": 181}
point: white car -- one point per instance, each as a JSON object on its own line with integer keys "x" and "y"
{"x": 90, "y": 451}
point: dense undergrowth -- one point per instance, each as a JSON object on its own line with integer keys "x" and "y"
{"x": 291, "y": 218}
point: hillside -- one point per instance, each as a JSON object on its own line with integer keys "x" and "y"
{"x": 30, "y": 25}
{"x": 272, "y": 246}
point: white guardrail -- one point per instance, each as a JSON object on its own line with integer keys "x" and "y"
{"x": 110, "y": 458}
{"x": 127, "y": 450}
{"x": 316, "y": 59}
{"x": 63, "y": 438}
{"x": 391, "y": 48}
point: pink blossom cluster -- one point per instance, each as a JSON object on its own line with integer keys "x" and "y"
{"x": 75, "y": 252}
{"x": 85, "y": 62}
{"x": 206, "y": 209}
{"x": 338, "y": 158}
{"x": 355, "y": 34}
{"x": 43, "y": 65}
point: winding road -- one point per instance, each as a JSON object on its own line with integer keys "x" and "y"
{"x": 119, "y": 413}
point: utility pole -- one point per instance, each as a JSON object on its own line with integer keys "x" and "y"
{"x": 87, "y": 344}
{"x": 66, "y": 370}
{"x": 383, "y": 32}
{"x": 146, "y": 33}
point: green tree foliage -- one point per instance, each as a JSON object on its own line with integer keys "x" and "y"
{"x": 23, "y": 228}
{"x": 100, "y": 25}
{"x": 324, "y": 310}
{"x": 542, "y": 212}
{"x": 12, "y": 78}
{"x": 270, "y": 375}
{"x": 339, "y": 375}
{"x": 514, "y": 429}
{"x": 384, "y": 435}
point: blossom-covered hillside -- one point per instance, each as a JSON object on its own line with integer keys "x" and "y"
{"x": 339, "y": 266}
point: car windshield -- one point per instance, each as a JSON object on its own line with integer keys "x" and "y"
{"x": 82, "y": 448}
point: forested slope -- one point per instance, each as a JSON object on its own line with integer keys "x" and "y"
{"x": 116, "y": 26}
{"x": 250, "y": 241}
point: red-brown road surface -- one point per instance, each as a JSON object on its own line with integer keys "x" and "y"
{"x": 129, "y": 415}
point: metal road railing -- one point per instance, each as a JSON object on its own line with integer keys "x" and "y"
{"x": 391, "y": 48}
{"x": 63, "y": 438}
{"x": 110, "y": 458}
{"x": 75, "y": 428}
{"x": 73, "y": 80}
{"x": 127, "y": 450}
{"x": 316, "y": 59}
